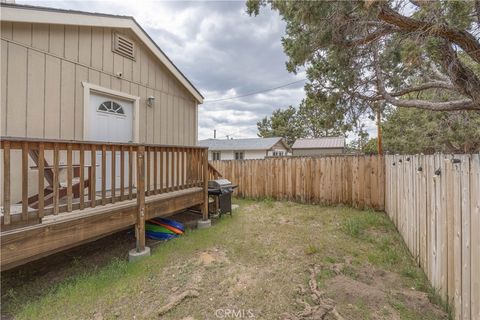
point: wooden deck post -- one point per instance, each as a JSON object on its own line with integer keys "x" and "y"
{"x": 6, "y": 182}
{"x": 205, "y": 185}
{"x": 140, "y": 226}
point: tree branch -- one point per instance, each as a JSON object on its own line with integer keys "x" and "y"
{"x": 421, "y": 87}
{"x": 463, "y": 39}
{"x": 477, "y": 9}
{"x": 463, "y": 78}
{"x": 462, "y": 104}
{"x": 437, "y": 73}
{"x": 370, "y": 37}
{"x": 424, "y": 86}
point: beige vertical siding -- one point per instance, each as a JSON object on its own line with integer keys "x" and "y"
{"x": 67, "y": 100}
{"x": 3, "y": 93}
{"x": 42, "y": 70}
{"x": 51, "y": 125}
{"x": 81, "y": 73}
{"x": 35, "y": 93}
{"x": 71, "y": 43}
{"x": 42, "y": 96}
{"x": 56, "y": 43}
{"x": 40, "y": 36}
{"x": 16, "y": 90}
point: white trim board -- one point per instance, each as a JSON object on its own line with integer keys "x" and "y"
{"x": 31, "y": 14}
{"x": 88, "y": 88}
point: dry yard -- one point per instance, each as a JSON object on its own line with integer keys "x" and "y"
{"x": 272, "y": 260}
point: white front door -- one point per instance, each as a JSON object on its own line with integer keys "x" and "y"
{"x": 110, "y": 120}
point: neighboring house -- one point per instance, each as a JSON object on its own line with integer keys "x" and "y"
{"x": 87, "y": 76}
{"x": 240, "y": 149}
{"x": 318, "y": 146}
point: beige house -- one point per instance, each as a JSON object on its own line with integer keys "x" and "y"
{"x": 98, "y": 133}
{"x": 318, "y": 146}
{"x": 82, "y": 76}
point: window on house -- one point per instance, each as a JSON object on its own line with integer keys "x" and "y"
{"x": 239, "y": 155}
{"x": 111, "y": 107}
{"x": 277, "y": 153}
{"x": 216, "y": 155}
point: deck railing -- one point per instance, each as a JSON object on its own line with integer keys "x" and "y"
{"x": 213, "y": 173}
{"x": 50, "y": 177}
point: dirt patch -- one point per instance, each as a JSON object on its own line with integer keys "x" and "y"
{"x": 366, "y": 290}
{"x": 380, "y": 297}
{"x": 212, "y": 256}
{"x": 240, "y": 278}
{"x": 348, "y": 290}
{"x": 283, "y": 220}
{"x": 252, "y": 208}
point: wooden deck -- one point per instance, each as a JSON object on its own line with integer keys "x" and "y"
{"x": 163, "y": 181}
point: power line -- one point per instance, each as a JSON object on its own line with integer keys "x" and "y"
{"x": 256, "y": 92}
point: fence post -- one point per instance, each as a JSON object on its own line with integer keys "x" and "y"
{"x": 140, "y": 226}
{"x": 141, "y": 250}
{"x": 6, "y": 182}
{"x": 205, "y": 185}
{"x": 205, "y": 222}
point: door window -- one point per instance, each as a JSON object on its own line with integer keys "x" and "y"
{"x": 111, "y": 107}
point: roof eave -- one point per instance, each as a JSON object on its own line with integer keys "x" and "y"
{"x": 239, "y": 149}
{"x": 308, "y": 148}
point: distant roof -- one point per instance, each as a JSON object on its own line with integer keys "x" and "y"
{"x": 240, "y": 144}
{"x": 320, "y": 143}
{"x": 38, "y": 14}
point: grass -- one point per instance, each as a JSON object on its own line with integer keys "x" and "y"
{"x": 356, "y": 226}
{"x": 254, "y": 260}
{"x": 311, "y": 249}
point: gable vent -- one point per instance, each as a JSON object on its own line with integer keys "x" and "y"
{"x": 123, "y": 46}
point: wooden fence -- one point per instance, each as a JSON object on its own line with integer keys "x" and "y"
{"x": 435, "y": 203}
{"x": 357, "y": 181}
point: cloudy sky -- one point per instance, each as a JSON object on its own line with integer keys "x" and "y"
{"x": 222, "y": 50}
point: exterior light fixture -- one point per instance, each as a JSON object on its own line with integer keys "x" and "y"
{"x": 150, "y": 101}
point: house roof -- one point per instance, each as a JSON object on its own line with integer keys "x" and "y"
{"x": 37, "y": 14}
{"x": 241, "y": 144}
{"x": 320, "y": 143}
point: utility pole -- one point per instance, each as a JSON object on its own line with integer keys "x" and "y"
{"x": 214, "y": 133}
{"x": 379, "y": 129}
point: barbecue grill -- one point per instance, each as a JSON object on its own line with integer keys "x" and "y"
{"x": 220, "y": 191}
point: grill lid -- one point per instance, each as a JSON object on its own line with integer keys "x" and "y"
{"x": 219, "y": 183}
